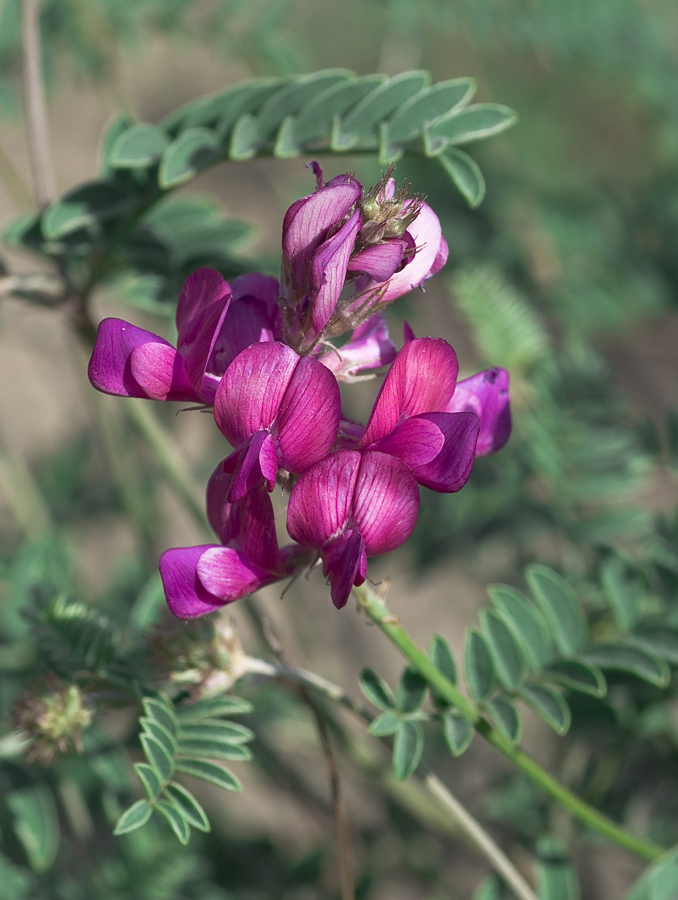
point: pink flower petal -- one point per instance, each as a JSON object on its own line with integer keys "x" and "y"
{"x": 345, "y": 563}
{"x": 248, "y": 525}
{"x": 257, "y": 464}
{"x": 449, "y": 470}
{"x": 421, "y": 380}
{"x": 204, "y": 289}
{"x": 328, "y": 274}
{"x": 379, "y": 261}
{"x": 159, "y": 368}
{"x": 186, "y": 596}
{"x": 415, "y": 441}
{"x": 228, "y": 574}
{"x": 307, "y": 424}
{"x": 487, "y": 395}
{"x": 321, "y": 500}
{"x": 307, "y": 223}
{"x": 427, "y": 235}
{"x": 385, "y": 502}
{"x": 250, "y": 393}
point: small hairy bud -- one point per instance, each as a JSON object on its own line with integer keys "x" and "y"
{"x": 52, "y": 716}
{"x": 387, "y": 217}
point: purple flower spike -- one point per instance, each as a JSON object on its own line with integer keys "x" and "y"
{"x": 351, "y": 505}
{"x": 278, "y": 411}
{"x": 487, "y": 395}
{"x": 130, "y": 362}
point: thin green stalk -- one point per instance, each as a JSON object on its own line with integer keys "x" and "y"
{"x": 379, "y": 613}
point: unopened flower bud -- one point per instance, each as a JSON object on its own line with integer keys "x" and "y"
{"x": 52, "y": 716}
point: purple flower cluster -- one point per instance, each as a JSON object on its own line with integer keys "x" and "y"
{"x": 259, "y": 353}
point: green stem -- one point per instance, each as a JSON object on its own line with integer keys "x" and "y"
{"x": 379, "y": 613}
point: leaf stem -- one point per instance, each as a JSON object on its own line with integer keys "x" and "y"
{"x": 378, "y": 612}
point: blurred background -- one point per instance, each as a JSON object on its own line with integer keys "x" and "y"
{"x": 567, "y": 275}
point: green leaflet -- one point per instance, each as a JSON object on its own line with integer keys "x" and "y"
{"x": 158, "y": 756}
{"x": 556, "y": 876}
{"x": 549, "y": 704}
{"x": 478, "y": 666}
{"x": 631, "y": 658}
{"x": 84, "y": 206}
{"x": 194, "y": 150}
{"x": 473, "y": 123}
{"x": 506, "y": 652}
{"x": 209, "y": 771}
{"x": 526, "y": 622}
{"x": 505, "y": 716}
{"x": 379, "y": 104}
{"x": 411, "y": 691}
{"x": 407, "y": 749}
{"x": 428, "y": 105}
{"x": 138, "y": 147}
{"x": 316, "y": 117}
{"x": 292, "y": 97}
{"x": 177, "y": 821}
{"x": 586, "y": 678}
{"x": 188, "y": 806}
{"x": 376, "y": 690}
{"x": 621, "y": 592}
{"x": 133, "y": 817}
{"x": 466, "y": 175}
{"x": 560, "y": 607}
{"x": 458, "y": 733}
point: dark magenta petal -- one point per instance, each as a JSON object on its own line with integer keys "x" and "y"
{"x": 248, "y": 525}
{"x": 260, "y": 287}
{"x": 415, "y": 441}
{"x": 257, "y": 464}
{"x": 487, "y": 395}
{"x": 307, "y": 425}
{"x": 345, "y": 564}
{"x": 450, "y": 469}
{"x": 250, "y": 393}
{"x": 328, "y": 273}
{"x": 307, "y": 223}
{"x": 428, "y": 239}
{"x": 228, "y": 574}
{"x": 186, "y": 597}
{"x": 385, "y": 502}
{"x": 320, "y": 503}
{"x": 158, "y": 366}
{"x": 379, "y": 261}
{"x": 421, "y": 380}
{"x": 368, "y": 348}
{"x": 203, "y": 290}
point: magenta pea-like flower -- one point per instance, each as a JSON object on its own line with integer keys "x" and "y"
{"x": 349, "y": 506}
{"x": 199, "y": 580}
{"x": 215, "y": 321}
{"x": 279, "y": 411}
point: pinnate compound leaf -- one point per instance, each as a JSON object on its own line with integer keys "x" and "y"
{"x": 505, "y": 716}
{"x": 428, "y": 105}
{"x": 150, "y": 779}
{"x": 84, "y": 206}
{"x": 458, "y": 733}
{"x": 378, "y": 105}
{"x": 213, "y": 708}
{"x": 209, "y": 771}
{"x": 473, "y": 123}
{"x": 158, "y": 757}
{"x": 507, "y": 655}
{"x": 556, "y": 876}
{"x": 213, "y": 749}
{"x": 133, "y": 817}
{"x": 465, "y": 174}
{"x": 194, "y": 150}
{"x": 176, "y": 818}
{"x": 586, "y": 678}
{"x": 188, "y": 806}
{"x": 376, "y": 690}
{"x": 478, "y": 666}
{"x": 407, "y": 749}
{"x": 559, "y": 604}
{"x": 137, "y": 147}
{"x": 387, "y": 723}
{"x": 526, "y": 623}
{"x": 658, "y": 639}
{"x": 630, "y": 658}
{"x": 36, "y": 824}
{"x": 292, "y": 97}
{"x": 411, "y": 691}
{"x": 621, "y": 592}
{"x": 162, "y": 711}
{"x": 549, "y": 704}
{"x": 226, "y": 732}
{"x": 160, "y": 733}
{"x": 316, "y": 117}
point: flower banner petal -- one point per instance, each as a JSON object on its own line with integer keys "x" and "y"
{"x": 385, "y": 502}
